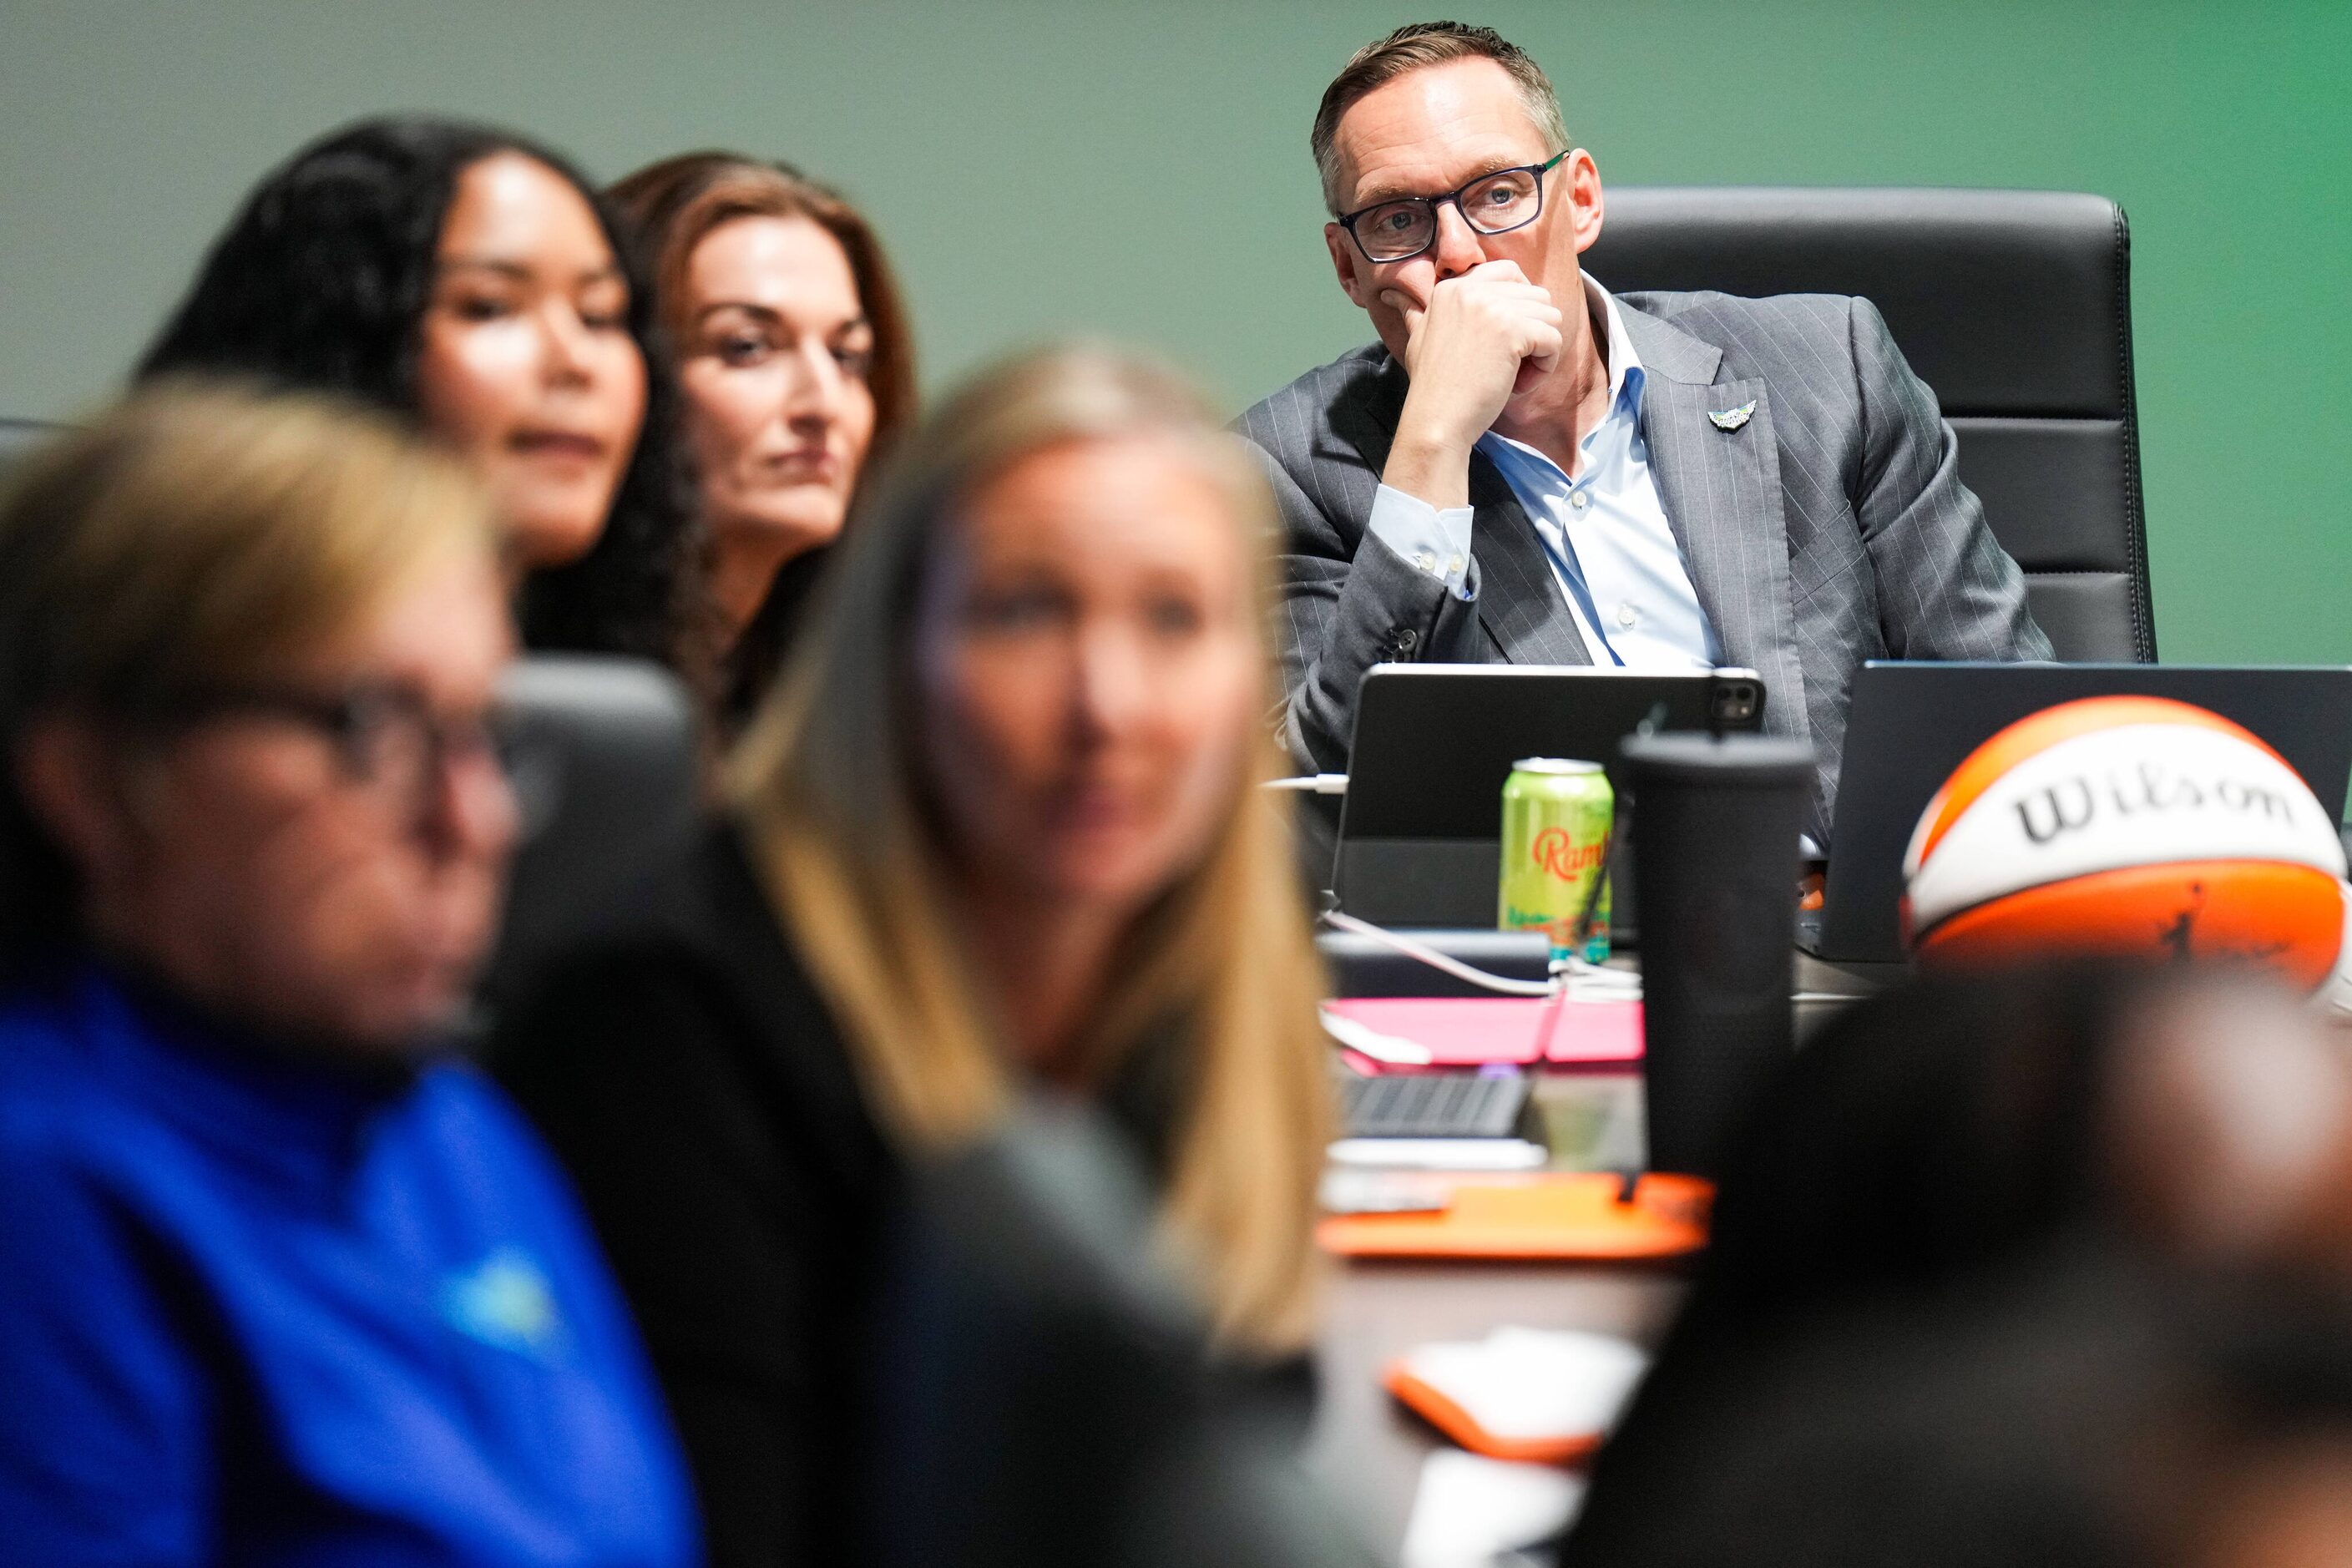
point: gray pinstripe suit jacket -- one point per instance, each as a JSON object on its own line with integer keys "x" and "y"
{"x": 1830, "y": 529}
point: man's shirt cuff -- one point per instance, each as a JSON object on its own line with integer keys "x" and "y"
{"x": 1431, "y": 541}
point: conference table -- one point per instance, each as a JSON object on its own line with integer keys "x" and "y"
{"x": 1368, "y": 1450}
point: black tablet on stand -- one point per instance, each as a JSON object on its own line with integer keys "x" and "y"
{"x": 1420, "y": 826}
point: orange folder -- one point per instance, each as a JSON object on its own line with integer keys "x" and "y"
{"x": 1557, "y": 1216}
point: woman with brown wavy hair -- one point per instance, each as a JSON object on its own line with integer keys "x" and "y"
{"x": 794, "y": 355}
{"x": 998, "y": 828}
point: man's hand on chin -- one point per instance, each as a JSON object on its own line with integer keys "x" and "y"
{"x": 1479, "y": 338}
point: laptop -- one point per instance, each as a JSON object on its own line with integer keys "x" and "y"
{"x": 1912, "y": 725}
{"x": 1421, "y": 827}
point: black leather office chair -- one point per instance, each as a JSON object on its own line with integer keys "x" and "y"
{"x": 605, "y": 771}
{"x": 2015, "y": 306}
{"x": 1043, "y": 1391}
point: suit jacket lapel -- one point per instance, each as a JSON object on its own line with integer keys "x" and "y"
{"x": 1519, "y": 602}
{"x": 1721, "y": 492}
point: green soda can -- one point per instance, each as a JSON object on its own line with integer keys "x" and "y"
{"x": 1556, "y": 821}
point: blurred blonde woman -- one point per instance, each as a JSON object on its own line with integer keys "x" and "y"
{"x": 281, "y": 1280}
{"x": 1000, "y": 825}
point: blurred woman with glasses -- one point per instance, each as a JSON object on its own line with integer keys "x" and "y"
{"x": 279, "y": 1280}
{"x": 472, "y": 283}
{"x": 998, "y": 828}
{"x": 796, "y": 365}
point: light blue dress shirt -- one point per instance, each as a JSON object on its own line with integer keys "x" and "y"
{"x": 1604, "y": 530}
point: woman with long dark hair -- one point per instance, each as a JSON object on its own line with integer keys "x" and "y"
{"x": 472, "y": 283}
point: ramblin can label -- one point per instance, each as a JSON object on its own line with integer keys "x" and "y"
{"x": 1556, "y": 820}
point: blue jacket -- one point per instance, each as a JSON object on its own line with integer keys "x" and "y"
{"x": 258, "y": 1311}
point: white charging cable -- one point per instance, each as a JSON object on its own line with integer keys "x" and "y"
{"x": 1573, "y": 977}
{"x": 1311, "y": 783}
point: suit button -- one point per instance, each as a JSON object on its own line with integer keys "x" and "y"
{"x": 1407, "y": 640}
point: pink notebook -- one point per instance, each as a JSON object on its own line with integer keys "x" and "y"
{"x": 1471, "y": 1031}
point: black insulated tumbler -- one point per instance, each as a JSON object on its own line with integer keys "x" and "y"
{"x": 1716, "y": 822}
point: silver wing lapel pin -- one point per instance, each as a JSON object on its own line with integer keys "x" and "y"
{"x": 1732, "y": 418}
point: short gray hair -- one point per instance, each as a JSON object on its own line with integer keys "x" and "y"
{"x": 1410, "y": 48}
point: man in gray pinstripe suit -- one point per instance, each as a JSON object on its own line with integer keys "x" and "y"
{"x": 1526, "y": 468}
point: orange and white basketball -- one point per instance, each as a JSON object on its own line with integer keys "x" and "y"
{"x": 2127, "y": 826}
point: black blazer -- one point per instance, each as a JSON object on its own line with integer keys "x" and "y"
{"x": 700, "y": 1093}
{"x": 750, "y": 667}
{"x": 690, "y": 1078}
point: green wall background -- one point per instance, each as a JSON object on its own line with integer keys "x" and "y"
{"x": 1141, "y": 170}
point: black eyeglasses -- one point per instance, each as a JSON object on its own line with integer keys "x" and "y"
{"x": 1405, "y": 226}
{"x": 385, "y": 736}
